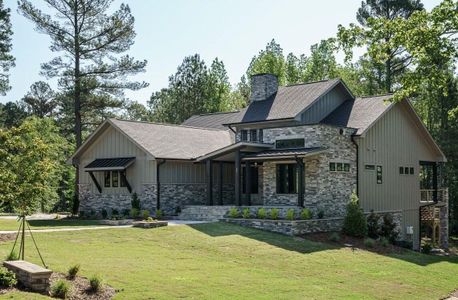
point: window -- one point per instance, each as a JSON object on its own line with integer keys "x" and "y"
{"x": 412, "y": 171}
{"x": 254, "y": 180}
{"x": 253, "y": 135}
{"x": 289, "y": 143}
{"x": 332, "y": 167}
{"x": 339, "y": 167}
{"x": 369, "y": 167}
{"x": 401, "y": 170}
{"x": 260, "y": 137}
{"x": 286, "y": 179}
{"x": 379, "y": 175}
{"x": 107, "y": 178}
{"x": 123, "y": 182}
{"x": 406, "y": 170}
{"x": 244, "y": 135}
{"x": 346, "y": 167}
{"x": 114, "y": 178}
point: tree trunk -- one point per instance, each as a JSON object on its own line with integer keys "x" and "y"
{"x": 388, "y": 75}
{"x": 77, "y": 105}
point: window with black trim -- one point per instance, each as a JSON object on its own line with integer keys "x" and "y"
{"x": 369, "y": 167}
{"x": 406, "y": 170}
{"x": 114, "y": 179}
{"x": 379, "y": 175}
{"x": 253, "y": 135}
{"x": 260, "y": 135}
{"x": 289, "y": 143}
{"x": 244, "y": 135}
{"x": 339, "y": 167}
{"x": 254, "y": 180}
{"x": 107, "y": 178}
{"x": 286, "y": 179}
{"x": 412, "y": 171}
{"x": 123, "y": 182}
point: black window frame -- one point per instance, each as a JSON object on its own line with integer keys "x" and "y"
{"x": 379, "y": 176}
{"x": 122, "y": 179}
{"x": 286, "y": 179}
{"x": 368, "y": 167}
{"x": 332, "y": 167}
{"x": 346, "y": 167}
{"x": 243, "y": 135}
{"x": 115, "y": 182}
{"x": 278, "y": 143}
{"x": 401, "y": 170}
{"x": 260, "y": 135}
{"x": 253, "y": 135}
{"x": 107, "y": 179}
{"x": 412, "y": 171}
{"x": 254, "y": 180}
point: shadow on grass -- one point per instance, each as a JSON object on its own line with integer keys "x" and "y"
{"x": 305, "y": 246}
{"x": 63, "y": 223}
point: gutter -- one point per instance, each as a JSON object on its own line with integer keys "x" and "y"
{"x": 357, "y": 164}
{"x": 158, "y": 184}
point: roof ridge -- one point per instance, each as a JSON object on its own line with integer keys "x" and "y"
{"x": 170, "y": 125}
{"x": 216, "y": 113}
{"x": 376, "y": 96}
{"x": 312, "y": 82}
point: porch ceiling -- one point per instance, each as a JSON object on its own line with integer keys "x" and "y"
{"x": 229, "y": 153}
{"x": 283, "y": 153}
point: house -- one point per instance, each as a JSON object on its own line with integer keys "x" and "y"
{"x": 305, "y": 145}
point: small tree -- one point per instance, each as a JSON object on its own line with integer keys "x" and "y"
{"x": 373, "y": 228}
{"x": 355, "y": 223}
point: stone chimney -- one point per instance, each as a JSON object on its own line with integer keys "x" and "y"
{"x": 263, "y": 86}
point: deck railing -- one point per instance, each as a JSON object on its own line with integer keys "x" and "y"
{"x": 427, "y": 195}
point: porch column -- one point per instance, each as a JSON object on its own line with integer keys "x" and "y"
{"x": 435, "y": 182}
{"x": 248, "y": 182}
{"x": 300, "y": 186}
{"x": 220, "y": 195}
{"x": 237, "y": 178}
{"x": 209, "y": 182}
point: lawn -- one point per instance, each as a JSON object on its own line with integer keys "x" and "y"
{"x": 217, "y": 261}
{"x": 13, "y": 224}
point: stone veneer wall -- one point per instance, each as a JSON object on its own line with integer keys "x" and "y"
{"x": 443, "y": 215}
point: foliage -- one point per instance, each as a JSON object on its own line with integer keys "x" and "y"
{"x": 7, "y": 278}
{"x": 96, "y": 283}
{"x": 373, "y": 228}
{"x": 384, "y": 242}
{"x": 426, "y": 248}
{"x": 388, "y": 228}
{"x": 149, "y": 219}
{"x": 6, "y": 59}
{"x": 30, "y": 165}
{"x": 125, "y": 212}
{"x": 41, "y": 100}
{"x": 159, "y": 214}
{"x": 12, "y": 255}
{"x": 274, "y": 212}
{"x": 334, "y": 237}
{"x": 145, "y": 214}
{"x": 320, "y": 214}
{"x": 246, "y": 213}
{"x": 234, "y": 212}
{"x": 355, "y": 223}
{"x": 290, "y": 214}
{"x": 134, "y": 213}
{"x": 306, "y": 214}
{"x": 61, "y": 289}
{"x": 369, "y": 243}
{"x": 135, "y": 202}
{"x": 114, "y": 212}
{"x": 12, "y": 114}
{"x": 261, "y": 214}
{"x": 104, "y": 213}
{"x": 73, "y": 271}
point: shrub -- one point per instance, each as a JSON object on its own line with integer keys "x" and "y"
{"x": 290, "y": 214}
{"x": 384, "y": 242}
{"x": 334, "y": 237}
{"x": 95, "y": 283}
{"x": 262, "y": 213}
{"x": 93, "y": 214}
{"x": 320, "y": 214}
{"x": 373, "y": 221}
{"x": 159, "y": 214}
{"x": 404, "y": 244}
{"x": 274, "y": 212}
{"x": 7, "y": 278}
{"x": 61, "y": 289}
{"x": 355, "y": 223}
{"x": 125, "y": 213}
{"x": 246, "y": 213}
{"x": 135, "y": 203}
{"x": 145, "y": 214}
{"x": 72, "y": 271}
{"x": 233, "y": 212}
{"x": 82, "y": 214}
{"x": 149, "y": 219}
{"x": 426, "y": 248}
{"x": 369, "y": 243}
{"x": 306, "y": 214}
{"x": 114, "y": 212}
{"x": 388, "y": 228}
{"x": 104, "y": 213}
{"x": 134, "y": 213}
{"x": 12, "y": 256}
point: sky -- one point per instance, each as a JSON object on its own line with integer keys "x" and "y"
{"x": 168, "y": 30}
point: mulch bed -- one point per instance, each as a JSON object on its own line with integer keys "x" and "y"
{"x": 80, "y": 289}
{"x": 7, "y": 237}
{"x": 353, "y": 243}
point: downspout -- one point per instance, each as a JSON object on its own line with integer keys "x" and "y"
{"x": 357, "y": 163}
{"x": 158, "y": 184}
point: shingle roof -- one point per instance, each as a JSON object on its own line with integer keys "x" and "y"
{"x": 214, "y": 120}
{"x": 174, "y": 141}
{"x": 287, "y": 103}
{"x": 360, "y": 113}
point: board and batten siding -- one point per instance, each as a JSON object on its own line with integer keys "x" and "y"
{"x": 324, "y": 106}
{"x": 113, "y": 143}
{"x": 178, "y": 172}
{"x": 395, "y": 140}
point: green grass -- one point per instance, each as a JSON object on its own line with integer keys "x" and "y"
{"x": 222, "y": 261}
{"x": 13, "y": 224}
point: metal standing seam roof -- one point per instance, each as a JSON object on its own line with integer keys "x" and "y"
{"x": 119, "y": 163}
{"x": 275, "y": 153}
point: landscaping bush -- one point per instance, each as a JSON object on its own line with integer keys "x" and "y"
{"x": 12, "y": 256}
{"x": 73, "y": 271}
{"x": 306, "y": 214}
{"x": 262, "y": 213}
{"x": 145, "y": 214}
{"x": 135, "y": 203}
{"x": 233, "y": 213}
{"x": 95, "y": 283}
{"x": 388, "y": 228}
{"x": 384, "y": 242}
{"x": 246, "y": 213}
{"x": 404, "y": 244}
{"x": 134, "y": 213}
{"x": 149, "y": 219}
{"x": 61, "y": 289}
{"x": 7, "y": 278}
{"x": 355, "y": 223}
{"x": 369, "y": 243}
{"x": 334, "y": 237}
{"x": 274, "y": 213}
{"x": 426, "y": 248}
{"x": 159, "y": 214}
{"x": 125, "y": 213}
{"x": 82, "y": 214}
{"x": 114, "y": 212}
{"x": 373, "y": 228}
{"x": 104, "y": 213}
{"x": 93, "y": 214}
{"x": 290, "y": 214}
{"x": 320, "y": 214}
